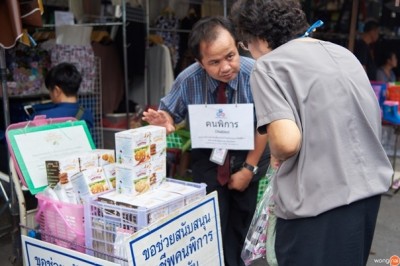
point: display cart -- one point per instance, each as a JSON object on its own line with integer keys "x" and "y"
{"x": 90, "y": 233}
{"x": 53, "y": 222}
{"x": 27, "y": 217}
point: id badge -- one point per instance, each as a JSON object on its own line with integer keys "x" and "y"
{"x": 218, "y": 156}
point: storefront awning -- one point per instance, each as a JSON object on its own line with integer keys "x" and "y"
{"x": 14, "y": 16}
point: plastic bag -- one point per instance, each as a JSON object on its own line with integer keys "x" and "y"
{"x": 255, "y": 243}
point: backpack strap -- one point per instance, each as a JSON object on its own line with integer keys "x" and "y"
{"x": 80, "y": 112}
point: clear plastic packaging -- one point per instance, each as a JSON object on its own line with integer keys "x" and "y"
{"x": 255, "y": 245}
{"x": 120, "y": 250}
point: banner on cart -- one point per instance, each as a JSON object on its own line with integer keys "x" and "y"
{"x": 38, "y": 252}
{"x": 191, "y": 237}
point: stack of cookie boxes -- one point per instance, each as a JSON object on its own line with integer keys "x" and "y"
{"x": 142, "y": 195}
{"x": 140, "y": 159}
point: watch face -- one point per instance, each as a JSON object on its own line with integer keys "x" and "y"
{"x": 255, "y": 170}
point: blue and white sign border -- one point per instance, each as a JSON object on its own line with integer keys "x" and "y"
{"x": 50, "y": 254}
{"x": 210, "y": 253}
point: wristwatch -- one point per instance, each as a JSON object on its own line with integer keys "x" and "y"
{"x": 253, "y": 169}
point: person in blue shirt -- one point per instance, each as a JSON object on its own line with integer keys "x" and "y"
{"x": 63, "y": 82}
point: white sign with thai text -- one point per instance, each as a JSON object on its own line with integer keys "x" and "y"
{"x": 34, "y": 145}
{"x": 191, "y": 236}
{"x": 222, "y": 126}
{"x": 37, "y": 252}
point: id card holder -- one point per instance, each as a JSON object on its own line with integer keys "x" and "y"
{"x": 218, "y": 156}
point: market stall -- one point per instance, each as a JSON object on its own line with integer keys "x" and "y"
{"x": 117, "y": 203}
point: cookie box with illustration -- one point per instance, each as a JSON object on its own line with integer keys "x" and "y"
{"x": 72, "y": 164}
{"x": 140, "y": 145}
{"x": 132, "y": 180}
{"x": 90, "y": 182}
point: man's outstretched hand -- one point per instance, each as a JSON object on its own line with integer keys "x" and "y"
{"x": 159, "y": 118}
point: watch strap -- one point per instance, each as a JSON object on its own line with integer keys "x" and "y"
{"x": 250, "y": 167}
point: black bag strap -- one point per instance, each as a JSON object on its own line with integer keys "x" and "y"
{"x": 80, "y": 112}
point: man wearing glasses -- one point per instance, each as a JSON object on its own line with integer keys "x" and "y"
{"x": 220, "y": 75}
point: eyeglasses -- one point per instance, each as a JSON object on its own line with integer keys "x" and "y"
{"x": 244, "y": 45}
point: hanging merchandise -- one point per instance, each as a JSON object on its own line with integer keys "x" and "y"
{"x": 25, "y": 77}
{"x": 26, "y": 68}
{"x": 83, "y": 57}
{"x": 161, "y": 75}
{"x": 14, "y": 15}
{"x": 168, "y": 23}
{"x": 185, "y": 57}
{"x": 73, "y": 45}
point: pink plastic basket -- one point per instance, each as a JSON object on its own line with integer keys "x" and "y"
{"x": 61, "y": 223}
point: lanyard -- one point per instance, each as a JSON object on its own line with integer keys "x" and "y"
{"x": 312, "y": 28}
